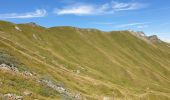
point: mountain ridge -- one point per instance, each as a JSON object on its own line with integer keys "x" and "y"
{"x": 140, "y": 33}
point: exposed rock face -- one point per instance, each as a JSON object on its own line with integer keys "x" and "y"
{"x": 138, "y": 34}
{"x": 141, "y": 35}
{"x": 154, "y": 38}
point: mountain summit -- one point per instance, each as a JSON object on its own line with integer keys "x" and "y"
{"x": 65, "y": 63}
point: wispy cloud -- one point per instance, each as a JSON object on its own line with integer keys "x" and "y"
{"x": 90, "y": 9}
{"x": 137, "y": 25}
{"x": 142, "y": 26}
{"x": 36, "y": 13}
{"x": 120, "y": 6}
{"x": 102, "y": 23}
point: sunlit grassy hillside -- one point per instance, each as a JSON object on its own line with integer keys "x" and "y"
{"x": 98, "y": 65}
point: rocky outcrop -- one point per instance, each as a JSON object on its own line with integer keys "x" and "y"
{"x": 11, "y": 96}
{"x": 154, "y": 38}
{"x": 141, "y": 35}
{"x": 7, "y": 67}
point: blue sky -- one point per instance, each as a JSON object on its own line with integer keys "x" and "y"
{"x": 150, "y": 16}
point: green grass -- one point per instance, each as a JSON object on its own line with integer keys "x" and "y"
{"x": 110, "y": 63}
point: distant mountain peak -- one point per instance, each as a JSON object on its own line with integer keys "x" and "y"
{"x": 141, "y": 35}
{"x": 154, "y": 38}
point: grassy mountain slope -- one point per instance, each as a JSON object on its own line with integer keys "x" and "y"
{"x": 93, "y": 63}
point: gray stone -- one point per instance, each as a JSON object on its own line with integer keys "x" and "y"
{"x": 11, "y": 96}
{"x": 7, "y": 67}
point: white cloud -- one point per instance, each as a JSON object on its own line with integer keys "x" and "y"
{"x": 87, "y": 9}
{"x": 36, "y": 13}
{"x": 82, "y": 10}
{"x": 78, "y": 10}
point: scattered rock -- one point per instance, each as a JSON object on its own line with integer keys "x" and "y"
{"x": 60, "y": 89}
{"x": 28, "y": 74}
{"x": 34, "y": 36}
{"x": 11, "y": 96}
{"x": 56, "y": 87}
{"x": 27, "y": 93}
{"x": 17, "y": 28}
